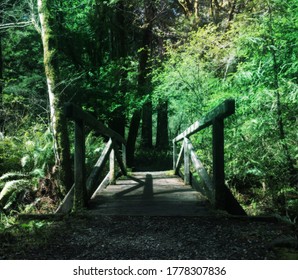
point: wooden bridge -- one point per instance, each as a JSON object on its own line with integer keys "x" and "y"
{"x": 169, "y": 193}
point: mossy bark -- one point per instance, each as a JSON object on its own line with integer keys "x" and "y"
{"x": 56, "y": 97}
{"x": 1, "y": 74}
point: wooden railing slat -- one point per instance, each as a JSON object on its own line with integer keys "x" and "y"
{"x": 112, "y": 167}
{"x": 218, "y": 162}
{"x": 83, "y": 190}
{"x": 186, "y": 163}
{"x": 222, "y": 111}
{"x": 179, "y": 160}
{"x": 92, "y": 181}
{"x": 67, "y": 203}
{"x": 104, "y": 183}
{"x": 216, "y": 191}
{"x": 120, "y": 159}
{"x": 200, "y": 169}
{"x": 76, "y": 113}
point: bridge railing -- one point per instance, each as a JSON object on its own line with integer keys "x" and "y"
{"x": 215, "y": 188}
{"x": 84, "y": 188}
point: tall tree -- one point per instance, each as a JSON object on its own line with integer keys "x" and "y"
{"x": 1, "y": 66}
{"x": 119, "y": 52}
{"x": 145, "y": 87}
{"x": 143, "y": 90}
{"x": 56, "y": 97}
{"x": 162, "y": 132}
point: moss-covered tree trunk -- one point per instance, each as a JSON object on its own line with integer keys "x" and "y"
{"x": 1, "y": 74}
{"x": 56, "y": 99}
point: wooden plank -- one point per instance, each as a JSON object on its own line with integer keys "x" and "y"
{"x": 121, "y": 164}
{"x": 200, "y": 169}
{"x": 179, "y": 161}
{"x": 218, "y": 163}
{"x": 124, "y": 156}
{"x": 92, "y": 181}
{"x": 77, "y": 114}
{"x": 186, "y": 163}
{"x": 174, "y": 155}
{"x": 80, "y": 198}
{"x": 105, "y": 182}
{"x": 67, "y": 203}
{"x": 232, "y": 206}
{"x": 222, "y": 111}
{"x": 112, "y": 167}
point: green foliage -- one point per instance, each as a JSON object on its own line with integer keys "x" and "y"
{"x": 252, "y": 59}
{"x": 6, "y": 222}
{"x": 31, "y": 152}
{"x": 94, "y": 148}
{"x": 11, "y": 227}
{"x": 11, "y": 191}
{"x": 27, "y": 159}
{"x": 254, "y": 62}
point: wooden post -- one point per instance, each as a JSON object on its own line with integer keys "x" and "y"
{"x": 112, "y": 167}
{"x": 79, "y": 167}
{"x": 124, "y": 155}
{"x": 174, "y": 155}
{"x": 186, "y": 163}
{"x": 218, "y": 162}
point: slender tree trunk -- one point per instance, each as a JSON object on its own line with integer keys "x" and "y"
{"x": 146, "y": 141}
{"x": 162, "y": 134}
{"x": 132, "y": 137}
{"x": 144, "y": 88}
{"x": 1, "y": 76}
{"x": 118, "y": 120}
{"x": 144, "y": 80}
{"x": 57, "y": 119}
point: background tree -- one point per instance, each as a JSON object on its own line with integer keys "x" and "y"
{"x": 56, "y": 97}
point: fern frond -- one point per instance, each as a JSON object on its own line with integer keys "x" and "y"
{"x": 13, "y": 176}
{"x": 11, "y": 188}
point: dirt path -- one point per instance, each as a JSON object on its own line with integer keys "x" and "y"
{"x": 127, "y": 237}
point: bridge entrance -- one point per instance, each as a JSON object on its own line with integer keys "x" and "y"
{"x": 150, "y": 194}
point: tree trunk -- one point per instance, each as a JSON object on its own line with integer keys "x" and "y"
{"x": 144, "y": 82}
{"x": 143, "y": 90}
{"x": 146, "y": 141}
{"x": 118, "y": 119}
{"x": 162, "y": 134}
{"x": 1, "y": 76}
{"x": 57, "y": 120}
{"x": 132, "y": 137}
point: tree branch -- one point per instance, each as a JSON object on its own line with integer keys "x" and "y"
{"x": 5, "y": 26}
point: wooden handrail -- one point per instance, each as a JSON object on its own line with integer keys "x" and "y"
{"x": 222, "y": 111}
{"x": 77, "y": 114}
{"x": 83, "y": 189}
{"x": 215, "y": 189}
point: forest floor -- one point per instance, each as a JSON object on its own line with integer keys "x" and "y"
{"x": 126, "y": 237}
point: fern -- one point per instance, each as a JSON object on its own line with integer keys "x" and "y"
{"x": 11, "y": 190}
{"x": 13, "y": 176}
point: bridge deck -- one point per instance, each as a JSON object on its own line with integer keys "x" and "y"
{"x": 150, "y": 194}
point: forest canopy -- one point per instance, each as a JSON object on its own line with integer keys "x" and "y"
{"x": 149, "y": 69}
